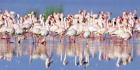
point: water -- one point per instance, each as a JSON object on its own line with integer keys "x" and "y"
{"x": 70, "y": 7}
{"x": 55, "y": 47}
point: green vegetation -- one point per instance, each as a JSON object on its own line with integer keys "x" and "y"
{"x": 51, "y": 10}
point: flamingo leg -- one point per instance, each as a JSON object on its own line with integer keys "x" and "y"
{"x": 64, "y": 60}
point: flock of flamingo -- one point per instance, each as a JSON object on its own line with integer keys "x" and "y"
{"x": 84, "y": 25}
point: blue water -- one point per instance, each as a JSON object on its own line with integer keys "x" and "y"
{"x": 22, "y": 63}
{"x": 70, "y": 7}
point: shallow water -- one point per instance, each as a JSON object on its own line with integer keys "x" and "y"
{"x": 55, "y": 47}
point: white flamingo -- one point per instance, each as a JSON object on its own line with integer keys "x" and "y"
{"x": 125, "y": 34}
{"x": 86, "y": 34}
{"x": 44, "y": 31}
{"x": 18, "y": 30}
{"x": 79, "y": 55}
{"x": 137, "y": 25}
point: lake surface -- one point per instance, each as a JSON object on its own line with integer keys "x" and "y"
{"x": 70, "y": 7}
{"x": 21, "y": 61}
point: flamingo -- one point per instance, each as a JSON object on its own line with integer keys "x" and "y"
{"x": 137, "y": 25}
{"x": 86, "y": 34}
{"x": 1, "y": 21}
{"x": 125, "y": 34}
{"x": 47, "y": 62}
{"x": 10, "y": 30}
{"x": 122, "y": 53}
{"x": 36, "y": 28}
{"x": 41, "y": 52}
{"x": 60, "y": 51}
{"x": 44, "y": 31}
{"x": 8, "y": 55}
{"x": 86, "y": 55}
{"x": 71, "y": 33}
{"x": 18, "y": 32}
{"x": 68, "y": 52}
{"x": 17, "y": 28}
{"x": 79, "y": 54}
{"x": 65, "y": 62}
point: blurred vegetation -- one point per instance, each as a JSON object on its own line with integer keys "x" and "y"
{"x": 51, "y": 10}
{"x": 33, "y": 11}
